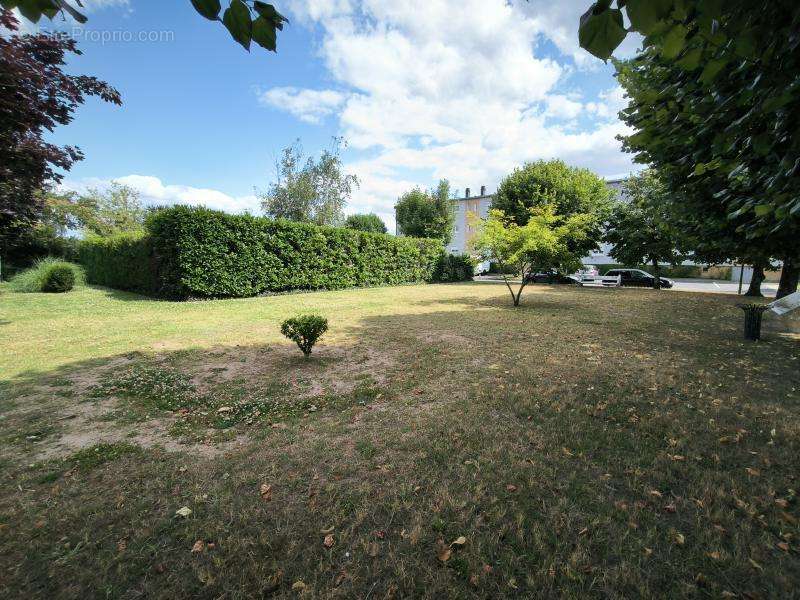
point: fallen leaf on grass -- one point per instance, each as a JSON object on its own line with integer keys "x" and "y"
{"x": 715, "y": 555}
{"x": 656, "y": 494}
{"x": 783, "y": 546}
{"x": 199, "y": 546}
{"x": 511, "y": 487}
{"x": 782, "y": 503}
{"x": 444, "y": 553}
{"x": 680, "y": 539}
{"x": 373, "y": 549}
{"x": 459, "y": 541}
{"x": 266, "y": 492}
{"x": 670, "y": 508}
{"x": 753, "y": 472}
{"x": 328, "y": 541}
{"x": 755, "y": 564}
{"x": 183, "y": 512}
{"x": 298, "y": 586}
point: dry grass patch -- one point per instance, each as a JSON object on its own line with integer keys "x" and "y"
{"x": 592, "y": 443}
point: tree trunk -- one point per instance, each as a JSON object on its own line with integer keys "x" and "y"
{"x": 656, "y": 275}
{"x": 789, "y": 277}
{"x": 755, "y": 282}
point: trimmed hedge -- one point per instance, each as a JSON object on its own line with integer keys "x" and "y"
{"x": 455, "y": 267}
{"x": 123, "y": 261}
{"x": 195, "y": 252}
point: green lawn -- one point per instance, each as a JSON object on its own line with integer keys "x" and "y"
{"x": 591, "y": 443}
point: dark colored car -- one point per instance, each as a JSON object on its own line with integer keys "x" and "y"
{"x": 551, "y": 276}
{"x": 638, "y": 278}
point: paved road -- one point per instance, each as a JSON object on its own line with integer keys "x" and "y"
{"x": 708, "y": 286}
{"x": 713, "y": 286}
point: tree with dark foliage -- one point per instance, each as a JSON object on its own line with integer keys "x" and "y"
{"x": 35, "y": 97}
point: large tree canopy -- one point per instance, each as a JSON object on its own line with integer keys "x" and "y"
{"x": 641, "y": 228}
{"x": 718, "y": 118}
{"x": 426, "y": 214}
{"x": 718, "y": 79}
{"x": 568, "y": 190}
{"x": 36, "y": 96}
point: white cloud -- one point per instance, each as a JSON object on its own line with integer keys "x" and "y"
{"x": 560, "y": 106}
{"x": 310, "y": 106}
{"x": 153, "y": 192}
{"x": 454, "y": 88}
{"x": 609, "y": 103}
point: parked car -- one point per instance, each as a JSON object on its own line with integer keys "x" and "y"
{"x": 639, "y": 278}
{"x": 550, "y": 276}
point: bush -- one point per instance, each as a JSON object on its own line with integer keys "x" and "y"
{"x": 59, "y": 279}
{"x": 48, "y": 275}
{"x": 305, "y": 330}
{"x": 455, "y": 267}
{"x": 195, "y": 252}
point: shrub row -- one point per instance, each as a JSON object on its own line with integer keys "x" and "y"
{"x": 196, "y": 252}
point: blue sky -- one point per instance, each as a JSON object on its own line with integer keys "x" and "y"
{"x": 421, "y": 90}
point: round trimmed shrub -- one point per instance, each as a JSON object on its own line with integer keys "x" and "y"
{"x": 305, "y": 330}
{"x": 59, "y": 279}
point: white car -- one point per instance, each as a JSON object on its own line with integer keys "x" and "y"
{"x": 586, "y": 271}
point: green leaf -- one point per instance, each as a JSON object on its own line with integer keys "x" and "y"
{"x": 710, "y": 8}
{"x": 208, "y": 8}
{"x": 674, "y": 42}
{"x": 264, "y": 34}
{"x": 762, "y": 143}
{"x": 691, "y": 60}
{"x": 237, "y": 20}
{"x": 601, "y": 33}
{"x": 762, "y": 210}
{"x": 30, "y": 9}
{"x": 647, "y": 15}
{"x": 712, "y": 69}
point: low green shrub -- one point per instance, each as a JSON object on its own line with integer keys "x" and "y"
{"x": 305, "y": 330}
{"x": 59, "y": 279}
{"x": 455, "y": 267}
{"x": 48, "y": 275}
{"x": 191, "y": 252}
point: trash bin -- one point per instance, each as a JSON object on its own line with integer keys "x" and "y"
{"x": 752, "y": 320}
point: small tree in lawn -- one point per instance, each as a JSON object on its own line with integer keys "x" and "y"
{"x": 542, "y": 243}
{"x": 642, "y": 230}
{"x": 305, "y": 330}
